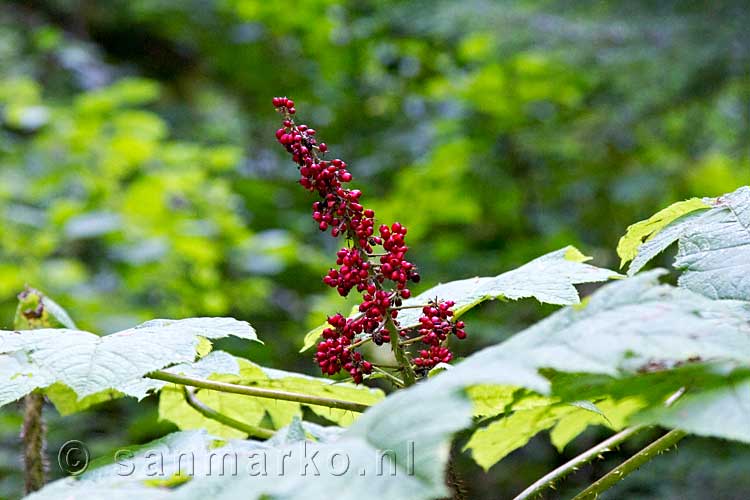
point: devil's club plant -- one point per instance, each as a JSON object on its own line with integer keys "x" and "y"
{"x": 374, "y": 264}
{"x": 636, "y": 354}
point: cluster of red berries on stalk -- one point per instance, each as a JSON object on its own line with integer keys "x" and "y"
{"x": 435, "y": 326}
{"x": 340, "y": 211}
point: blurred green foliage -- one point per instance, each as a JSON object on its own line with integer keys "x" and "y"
{"x": 139, "y": 177}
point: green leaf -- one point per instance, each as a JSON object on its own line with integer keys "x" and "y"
{"x": 719, "y": 411}
{"x": 533, "y": 414}
{"x": 612, "y": 414}
{"x": 490, "y": 400}
{"x": 658, "y": 242}
{"x": 626, "y": 327}
{"x": 90, "y": 364}
{"x": 173, "y": 407}
{"x": 251, "y": 410}
{"x": 492, "y": 443}
{"x": 636, "y": 234}
{"x": 714, "y": 244}
{"x": 549, "y": 279}
{"x": 397, "y": 450}
{"x": 295, "y": 382}
{"x": 714, "y": 251}
{"x": 67, "y": 402}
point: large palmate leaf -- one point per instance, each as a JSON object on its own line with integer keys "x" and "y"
{"x": 397, "y": 450}
{"x": 67, "y": 401}
{"x": 719, "y": 411}
{"x": 624, "y": 329}
{"x": 89, "y": 364}
{"x": 251, "y": 410}
{"x": 549, "y": 279}
{"x": 714, "y": 245}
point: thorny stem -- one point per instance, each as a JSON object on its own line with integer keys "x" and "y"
{"x": 612, "y": 477}
{"x": 585, "y": 457}
{"x": 257, "y": 392}
{"x": 208, "y": 412}
{"x": 573, "y": 464}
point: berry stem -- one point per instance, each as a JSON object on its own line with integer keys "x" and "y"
{"x": 415, "y": 306}
{"x": 389, "y": 376}
{"x": 258, "y": 392}
{"x": 410, "y": 377}
{"x": 412, "y": 340}
{"x": 360, "y": 342}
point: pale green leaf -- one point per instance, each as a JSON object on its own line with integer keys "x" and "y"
{"x": 90, "y": 364}
{"x": 636, "y": 234}
{"x": 714, "y": 251}
{"x": 549, "y": 279}
{"x": 173, "y": 407}
{"x": 722, "y": 411}
{"x": 713, "y": 238}
{"x": 397, "y": 450}
{"x": 533, "y": 414}
{"x": 66, "y": 401}
{"x": 612, "y": 414}
{"x": 626, "y": 326}
{"x": 249, "y": 410}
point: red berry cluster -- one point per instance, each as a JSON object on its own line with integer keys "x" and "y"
{"x": 435, "y": 326}
{"x": 339, "y": 210}
{"x": 354, "y": 271}
{"x": 335, "y": 352}
{"x": 435, "y": 323}
{"x": 429, "y": 358}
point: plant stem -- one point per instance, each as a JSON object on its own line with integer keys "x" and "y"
{"x": 410, "y": 377}
{"x": 360, "y": 342}
{"x": 576, "y": 462}
{"x": 633, "y": 463}
{"x": 257, "y": 392}
{"x": 33, "y": 436}
{"x": 412, "y": 340}
{"x": 208, "y": 412}
{"x": 414, "y": 306}
{"x": 389, "y": 376}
